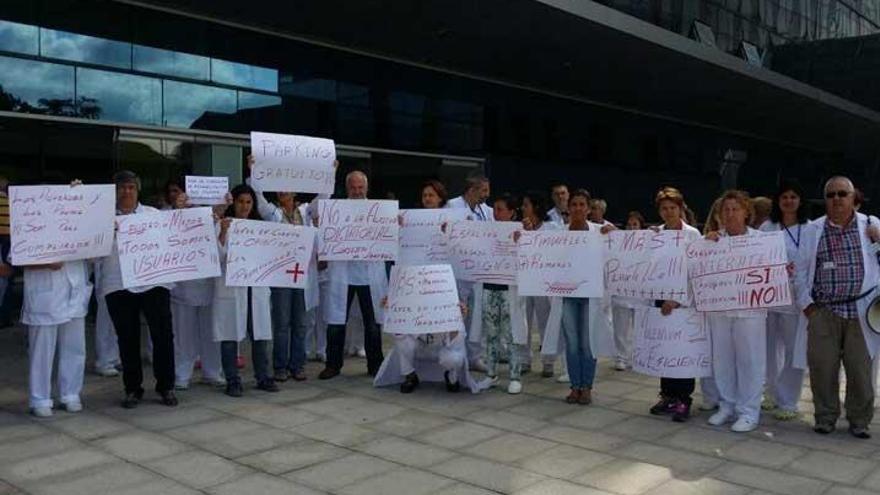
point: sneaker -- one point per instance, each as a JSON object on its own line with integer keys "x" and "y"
{"x": 361, "y": 353}
{"x": 563, "y": 378}
{"x": 620, "y": 365}
{"x": 708, "y": 406}
{"x": 42, "y": 412}
{"x": 491, "y": 381}
{"x": 181, "y": 385}
{"x": 573, "y": 396}
{"x": 451, "y": 387}
{"x": 320, "y": 357}
{"x": 547, "y": 370}
{"x": 239, "y": 361}
{"x": 234, "y": 389}
{"x": 663, "y": 406}
{"x": 720, "y": 417}
{"x": 410, "y": 383}
{"x": 743, "y": 425}
{"x": 681, "y": 411}
{"x": 859, "y": 432}
{"x": 281, "y": 376}
{"x": 515, "y": 387}
{"x": 268, "y": 385}
{"x": 785, "y": 415}
{"x": 479, "y": 365}
{"x": 108, "y": 371}
{"x": 215, "y": 382}
{"x": 72, "y": 406}
{"x": 768, "y": 404}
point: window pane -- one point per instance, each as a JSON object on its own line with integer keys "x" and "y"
{"x": 33, "y": 87}
{"x": 248, "y": 76}
{"x": 256, "y": 100}
{"x": 156, "y": 60}
{"x": 315, "y": 89}
{"x": 81, "y": 48}
{"x": 185, "y": 103}
{"x": 121, "y": 97}
{"x": 21, "y": 38}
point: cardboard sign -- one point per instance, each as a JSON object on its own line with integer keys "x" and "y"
{"x": 287, "y": 163}
{"x": 51, "y": 224}
{"x": 674, "y": 346}
{"x": 560, "y": 263}
{"x": 739, "y": 272}
{"x": 204, "y": 190}
{"x": 646, "y": 264}
{"x": 483, "y": 251}
{"x": 422, "y": 242}
{"x": 167, "y": 246}
{"x": 422, "y": 299}
{"x": 268, "y": 254}
{"x": 357, "y": 230}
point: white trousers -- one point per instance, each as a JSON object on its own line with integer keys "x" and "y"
{"x": 537, "y": 313}
{"x": 316, "y": 336}
{"x": 106, "y": 348}
{"x": 449, "y": 356}
{"x": 354, "y": 328}
{"x": 739, "y": 356}
{"x": 784, "y": 381}
{"x": 475, "y": 350}
{"x": 68, "y": 341}
{"x": 193, "y": 339}
{"x": 623, "y": 319}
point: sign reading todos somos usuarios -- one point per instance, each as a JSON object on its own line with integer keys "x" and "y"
{"x": 167, "y": 246}
{"x": 422, "y": 299}
{"x": 357, "y": 230}
{"x": 51, "y": 224}
{"x": 287, "y": 163}
{"x": 268, "y": 254}
{"x": 483, "y": 251}
{"x": 560, "y": 263}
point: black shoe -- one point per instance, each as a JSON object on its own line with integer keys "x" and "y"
{"x": 233, "y": 389}
{"x": 663, "y": 406}
{"x": 451, "y": 387}
{"x": 268, "y": 385}
{"x": 824, "y": 428}
{"x": 167, "y": 398}
{"x": 409, "y": 383}
{"x": 859, "y": 432}
{"x": 132, "y": 399}
{"x": 328, "y": 373}
{"x": 681, "y": 411}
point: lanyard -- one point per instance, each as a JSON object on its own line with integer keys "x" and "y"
{"x": 479, "y": 212}
{"x": 797, "y": 242}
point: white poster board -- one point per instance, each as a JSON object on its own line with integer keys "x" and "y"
{"x": 268, "y": 254}
{"x": 422, "y": 242}
{"x": 422, "y": 299}
{"x": 677, "y": 345}
{"x": 205, "y": 190}
{"x": 287, "y": 163}
{"x": 167, "y": 246}
{"x": 483, "y": 251}
{"x": 51, "y": 224}
{"x": 357, "y": 230}
{"x": 646, "y": 264}
{"x": 564, "y": 263}
{"x": 739, "y": 272}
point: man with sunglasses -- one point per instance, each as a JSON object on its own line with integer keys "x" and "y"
{"x": 836, "y": 279}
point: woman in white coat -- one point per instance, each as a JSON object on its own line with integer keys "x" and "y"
{"x": 241, "y": 312}
{"x": 784, "y": 380}
{"x": 739, "y": 337}
{"x": 56, "y": 300}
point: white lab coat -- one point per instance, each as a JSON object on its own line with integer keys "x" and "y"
{"x": 54, "y": 297}
{"x": 230, "y": 308}
{"x": 805, "y": 275}
{"x": 429, "y": 362}
{"x": 336, "y": 300}
{"x": 487, "y": 214}
{"x": 556, "y": 217}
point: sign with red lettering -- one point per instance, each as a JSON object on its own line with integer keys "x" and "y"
{"x": 268, "y": 254}
{"x": 287, "y": 163}
{"x": 565, "y": 263}
{"x": 483, "y": 251}
{"x": 739, "y": 272}
{"x": 422, "y": 242}
{"x": 167, "y": 246}
{"x": 422, "y": 299}
{"x": 677, "y": 345}
{"x": 51, "y": 224}
{"x": 646, "y": 264}
{"x": 357, "y": 230}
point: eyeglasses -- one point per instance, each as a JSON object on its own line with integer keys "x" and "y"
{"x": 839, "y": 194}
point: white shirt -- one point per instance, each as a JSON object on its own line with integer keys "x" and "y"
{"x": 111, "y": 273}
{"x": 556, "y": 216}
{"x": 480, "y": 213}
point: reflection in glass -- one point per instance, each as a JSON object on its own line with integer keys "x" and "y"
{"x": 256, "y": 100}
{"x": 185, "y": 103}
{"x": 81, "y": 48}
{"x": 21, "y": 38}
{"x": 34, "y": 87}
{"x": 159, "y": 61}
{"x": 121, "y": 97}
{"x": 313, "y": 89}
{"x": 248, "y": 76}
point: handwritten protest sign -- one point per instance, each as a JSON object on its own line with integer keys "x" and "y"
{"x": 202, "y": 190}
{"x": 357, "y": 229}
{"x": 50, "y": 224}
{"x": 422, "y": 299}
{"x": 739, "y": 272}
{"x": 285, "y": 162}
{"x": 560, "y": 263}
{"x": 674, "y": 346}
{"x": 167, "y": 246}
{"x": 268, "y": 254}
{"x": 646, "y": 264}
{"x": 483, "y": 251}
{"x": 422, "y": 242}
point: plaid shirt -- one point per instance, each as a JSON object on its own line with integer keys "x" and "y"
{"x": 840, "y": 268}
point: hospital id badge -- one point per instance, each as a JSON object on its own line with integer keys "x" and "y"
{"x": 828, "y": 265}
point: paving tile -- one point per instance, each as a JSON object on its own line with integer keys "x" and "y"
{"x": 833, "y": 467}
{"x": 31, "y": 446}
{"x": 212, "y": 430}
{"x": 17, "y": 431}
{"x": 411, "y": 423}
{"x": 589, "y": 439}
{"x": 198, "y": 469}
{"x": 354, "y": 410}
{"x": 342, "y": 434}
{"x": 558, "y": 487}
{"x": 274, "y": 415}
{"x": 509, "y": 421}
{"x": 403, "y": 480}
{"x": 761, "y": 453}
{"x": 542, "y": 409}
{"x": 702, "y": 486}
{"x": 161, "y": 487}
{"x": 37, "y": 468}
{"x": 290, "y": 457}
{"x": 682, "y": 464}
{"x": 487, "y": 474}
{"x": 703, "y": 440}
{"x": 626, "y": 477}
{"x": 330, "y": 475}
{"x": 564, "y": 461}
{"x": 644, "y": 428}
{"x": 259, "y": 483}
{"x": 407, "y": 452}
{"x": 595, "y": 418}
{"x": 107, "y": 478}
{"x": 141, "y": 446}
{"x": 766, "y": 479}
{"x": 463, "y": 489}
{"x": 250, "y": 442}
{"x": 459, "y": 434}
{"x": 88, "y": 425}
{"x": 846, "y": 490}
{"x": 510, "y": 447}
{"x": 872, "y": 482}
{"x": 166, "y": 419}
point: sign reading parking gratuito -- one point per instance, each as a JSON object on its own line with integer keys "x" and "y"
{"x": 287, "y": 163}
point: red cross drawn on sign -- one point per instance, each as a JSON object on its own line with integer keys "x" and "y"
{"x": 296, "y": 272}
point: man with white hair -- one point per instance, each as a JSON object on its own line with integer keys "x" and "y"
{"x": 365, "y": 280}
{"x": 836, "y": 279}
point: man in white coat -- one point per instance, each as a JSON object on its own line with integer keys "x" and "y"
{"x": 836, "y": 279}
{"x": 559, "y": 213}
{"x": 365, "y": 280}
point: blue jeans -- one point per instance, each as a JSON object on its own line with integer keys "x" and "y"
{"x": 576, "y": 329}
{"x": 289, "y": 329}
